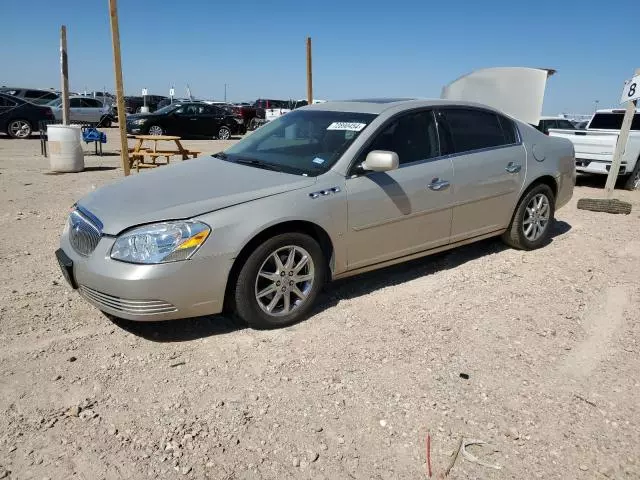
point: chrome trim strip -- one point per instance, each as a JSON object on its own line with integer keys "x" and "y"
{"x": 134, "y": 307}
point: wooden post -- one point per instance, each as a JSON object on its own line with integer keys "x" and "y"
{"x": 309, "y": 73}
{"x": 64, "y": 73}
{"x": 621, "y": 145}
{"x": 117, "y": 67}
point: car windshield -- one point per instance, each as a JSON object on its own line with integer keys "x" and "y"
{"x": 167, "y": 109}
{"x": 303, "y": 142}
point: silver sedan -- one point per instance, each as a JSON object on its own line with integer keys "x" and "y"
{"x": 324, "y": 192}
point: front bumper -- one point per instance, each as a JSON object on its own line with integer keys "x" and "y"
{"x": 598, "y": 167}
{"x": 189, "y": 288}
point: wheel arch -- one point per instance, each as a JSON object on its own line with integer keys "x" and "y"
{"x": 548, "y": 180}
{"x": 312, "y": 229}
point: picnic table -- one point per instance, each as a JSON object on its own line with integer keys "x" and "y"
{"x": 139, "y": 152}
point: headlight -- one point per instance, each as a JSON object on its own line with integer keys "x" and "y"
{"x": 160, "y": 242}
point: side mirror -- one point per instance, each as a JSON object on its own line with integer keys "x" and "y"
{"x": 381, "y": 161}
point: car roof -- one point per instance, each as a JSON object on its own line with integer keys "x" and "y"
{"x": 380, "y": 105}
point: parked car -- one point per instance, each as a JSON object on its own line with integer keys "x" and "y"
{"x": 105, "y": 98}
{"x": 267, "y": 110}
{"x": 84, "y": 109}
{"x": 554, "y": 122}
{"x": 193, "y": 119}
{"x": 19, "y": 118}
{"x": 324, "y": 192}
{"x": 134, "y": 104}
{"x": 595, "y": 145}
{"x": 39, "y": 97}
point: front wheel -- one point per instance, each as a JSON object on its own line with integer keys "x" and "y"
{"x": 155, "y": 130}
{"x": 224, "y": 133}
{"x": 279, "y": 281}
{"x": 19, "y": 129}
{"x": 530, "y": 227}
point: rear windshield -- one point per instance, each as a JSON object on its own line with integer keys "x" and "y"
{"x": 612, "y": 121}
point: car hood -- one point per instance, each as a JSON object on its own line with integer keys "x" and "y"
{"x": 517, "y": 91}
{"x": 136, "y": 116}
{"x": 183, "y": 191}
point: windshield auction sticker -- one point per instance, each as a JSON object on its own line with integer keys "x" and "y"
{"x": 349, "y": 126}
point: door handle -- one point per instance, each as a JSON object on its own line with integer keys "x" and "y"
{"x": 437, "y": 185}
{"x": 513, "y": 168}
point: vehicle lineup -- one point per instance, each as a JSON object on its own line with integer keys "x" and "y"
{"x": 323, "y": 192}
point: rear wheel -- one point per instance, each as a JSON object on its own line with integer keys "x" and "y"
{"x": 155, "y": 130}
{"x": 19, "y": 129}
{"x": 224, "y": 133}
{"x": 253, "y": 124}
{"x": 632, "y": 181}
{"x": 530, "y": 226}
{"x": 279, "y": 281}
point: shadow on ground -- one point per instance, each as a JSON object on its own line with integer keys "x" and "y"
{"x": 86, "y": 169}
{"x": 201, "y": 327}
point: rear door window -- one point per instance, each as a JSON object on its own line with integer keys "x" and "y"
{"x": 467, "y": 129}
{"x": 75, "y": 103}
{"x": 612, "y": 121}
{"x": 91, "y": 103}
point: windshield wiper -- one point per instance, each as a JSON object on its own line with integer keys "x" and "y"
{"x": 258, "y": 164}
{"x": 220, "y": 155}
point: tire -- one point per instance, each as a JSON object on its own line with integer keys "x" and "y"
{"x": 531, "y": 228}
{"x": 632, "y": 181}
{"x": 19, "y": 128}
{"x": 224, "y": 133}
{"x": 253, "y": 124}
{"x": 155, "y": 130}
{"x": 251, "y": 303}
{"x": 105, "y": 122}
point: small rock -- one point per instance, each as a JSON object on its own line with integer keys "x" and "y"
{"x": 317, "y": 429}
{"x": 186, "y": 470}
{"x": 219, "y": 403}
{"x": 4, "y": 473}
{"x": 87, "y": 414}
{"x": 201, "y": 372}
{"x": 112, "y": 430}
{"x": 323, "y": 447}
{"x": 490, "y": 426}
{"x": 296, "y": 462}
{"x": 73, "y": 411}
{"x": 313, "y": 456}
{"x": 12, "y": 448}
{"x": 512, "y": 433}
{"x": 72, "y": 359}
{"x": 57, "y": 377}
{"x": 584, "y": 468}
{"x": 210, "y": 465}
{"x": 383, "y": 423}
{"x": 340, "y": 440}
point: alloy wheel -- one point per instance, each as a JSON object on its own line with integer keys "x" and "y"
{"x": 284, "y": 280}
{"x": 536, "y": 217}
{"x": 155, "y": 130}
{"x": 224, "y": 134}
{"x": 20, "y": 129}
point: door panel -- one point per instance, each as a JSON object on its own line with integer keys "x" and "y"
{"x": 485, "y": 192}
{"x": 392, "y": 214}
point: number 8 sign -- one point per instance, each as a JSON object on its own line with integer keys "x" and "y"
{"x": 631, "y": 90}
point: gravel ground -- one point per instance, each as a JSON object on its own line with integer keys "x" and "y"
{"x": 547, "y": 343}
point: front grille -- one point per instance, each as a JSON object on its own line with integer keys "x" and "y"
{"x": 133, "y": 307}
{"x": 84, "y": 235}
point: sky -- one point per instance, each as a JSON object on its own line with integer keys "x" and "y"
{"x": 371, "y": 48}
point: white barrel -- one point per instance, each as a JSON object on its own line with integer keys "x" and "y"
{"x": 65, "y": 148}
{"x": 144, "y": 109}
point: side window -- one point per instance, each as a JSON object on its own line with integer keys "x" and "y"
{"x": 90, "y": 103}
{"x": 6, "y": 102}
{"x": 75, "y": 103}
{"x": 471, "y": 129}
{"x": 566, "y": 124}
{"x": 413, "y": 137}
{"x": 508, "y": 129}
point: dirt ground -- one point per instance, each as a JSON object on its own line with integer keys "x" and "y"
{"x": 549, "y": 340}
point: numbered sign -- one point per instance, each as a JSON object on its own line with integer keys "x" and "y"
{"x": 172, "y": 92}
{"x": 144, "y": 92}
{"x": 631, "y": 90}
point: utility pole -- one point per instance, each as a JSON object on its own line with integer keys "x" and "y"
{"x": 621, "y": 145}
{"x": 309, "y": 73}
{"x": 64, "y": 73}
{"x": 117, "y": 67}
